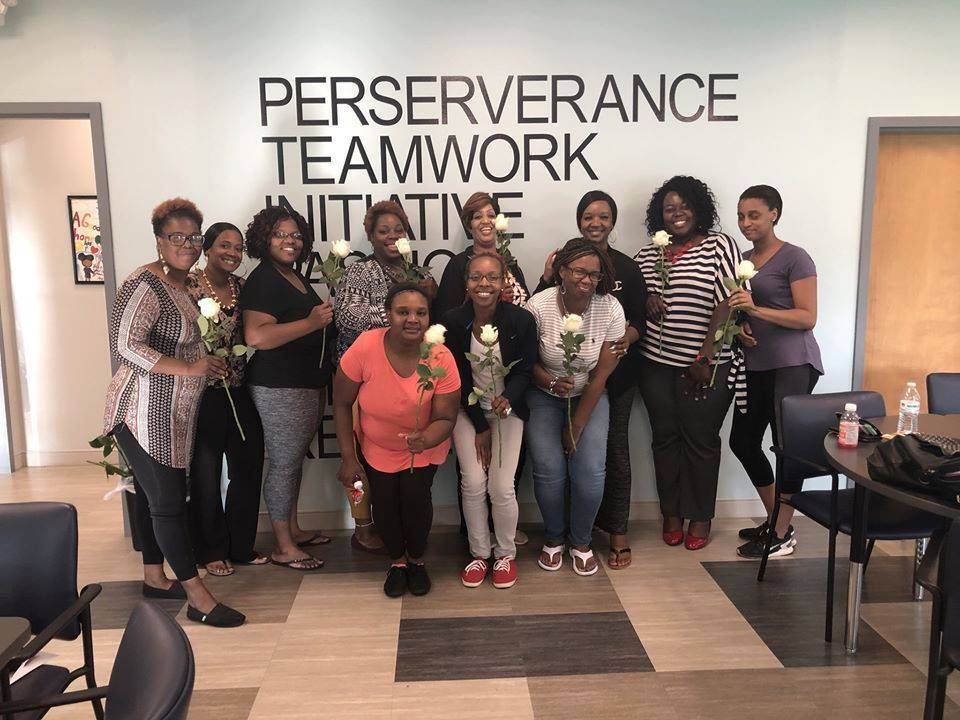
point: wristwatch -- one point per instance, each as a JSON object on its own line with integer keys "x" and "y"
{"x": 552, "y": 383}
{"x": 702, "y": 360}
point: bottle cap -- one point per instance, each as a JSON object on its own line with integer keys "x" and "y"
{"x": 850, "y": 407}
{"x": 911, "y": 384}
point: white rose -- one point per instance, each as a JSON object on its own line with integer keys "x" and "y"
{"x": 403, "y": 247}
{"x": 661, "y": 238}
{"x": 746, "y": 270}
{"x": 572, "y": 323}
{"x": 435, "y": 335}
{"x": 489, "y": 335}
{"x": 501, "y": 223}
{"x": 340, "y": 248}
{"x": 209, "y": 308}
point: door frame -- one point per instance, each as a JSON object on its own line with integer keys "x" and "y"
{"x": 875, "y": 127}
{"x": 91, "y": 111}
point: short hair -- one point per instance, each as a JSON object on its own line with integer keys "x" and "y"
{"x": 261, "y": 227}
{"x": 177, "y": 207}
{"x": 217, "y": 229}
{"x": 495, "y": 257}
{"x": 768, "y": 194}
{"x": 404, "y": 287}
{"x": 579, "y": 247}
{"x": 592, "y": 197}
{"x": 385, "y": 207}
{"x": 695, "y": 193}
{"x": 475, "y": 202}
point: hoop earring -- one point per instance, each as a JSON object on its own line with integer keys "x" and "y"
{"x": 563, "y": 290}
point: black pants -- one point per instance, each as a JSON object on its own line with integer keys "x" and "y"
{"x": 615, "y": 508}
{"x": 160, "y": 517}
{"x": 226, "y": 531}
{"x": 403, "y": 509}
{"x": 765, "y": 390}
{"x": 686, "y": 438}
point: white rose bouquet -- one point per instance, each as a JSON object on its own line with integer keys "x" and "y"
{"x": 570, "y": 342}
{"x": 411, "y": 271}
{"x": 427, "y": 374}
{"x": 217, "y": 340}
{"x": 331, "y": 270}
{"x": 661, "y": 240}
{"x": 489, "y": 336}
{"x": 503, "y": 240}
{"x": 729, "y": 330}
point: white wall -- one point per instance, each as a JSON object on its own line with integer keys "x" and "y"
{"x": 60, "y": 356}
{"x": 179, "y": 86}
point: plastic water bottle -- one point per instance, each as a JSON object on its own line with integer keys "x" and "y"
{"x": 849, "y": 436}
{"x": 909, "y": 410}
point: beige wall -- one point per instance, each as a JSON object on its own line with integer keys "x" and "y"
{"x": 56, "y": 345}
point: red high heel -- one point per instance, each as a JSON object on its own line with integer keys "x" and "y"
{"x": 696, "y": 543}
{"x": 673, "y": 537}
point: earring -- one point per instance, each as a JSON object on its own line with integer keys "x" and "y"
{"x": 563, "y": 290}
{"x": 163, "y": 263}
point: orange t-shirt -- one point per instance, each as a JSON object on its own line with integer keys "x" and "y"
{"x": 388, "y": 403}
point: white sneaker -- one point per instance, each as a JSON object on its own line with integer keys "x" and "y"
{"x": 521, "y": 537}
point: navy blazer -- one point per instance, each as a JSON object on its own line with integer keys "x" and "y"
{"x": 518, "y": 341}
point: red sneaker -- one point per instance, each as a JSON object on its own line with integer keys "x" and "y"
{"x": 474, "y": 573}
{"x": 504, "y": 573}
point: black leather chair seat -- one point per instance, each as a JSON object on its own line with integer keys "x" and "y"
{"x": 44, "y": 681}
{"x": 888, "y": 519}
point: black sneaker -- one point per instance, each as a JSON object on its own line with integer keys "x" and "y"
{"x": 396, "y": 583}
{"x": 752, "y": 533}
{"x": 779, "y": 547}
{"x": 417, "y": 579}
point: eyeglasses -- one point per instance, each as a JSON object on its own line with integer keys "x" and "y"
{"x": 579, "y": 274}
{"x": 281, "y": 235}
{"x": 491, "y": 277}
{"x": 177, "y": 239}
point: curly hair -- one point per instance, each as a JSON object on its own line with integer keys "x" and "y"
{"x": 692, "y": 191}
{"x": 178, "y": 207}
{"x": 577, "y": 248}
{"x": 768, "y": 195}
{"x": 385, "y": 207}
{"x": 261, "y": 228}
{"x": 475, "y": 202}
{"x": 401, "y": 288}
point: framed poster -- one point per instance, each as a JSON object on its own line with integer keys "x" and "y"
{"x": 85, "y": 249}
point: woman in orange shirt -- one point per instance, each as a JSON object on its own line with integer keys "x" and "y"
{"x": 380, "y": 371}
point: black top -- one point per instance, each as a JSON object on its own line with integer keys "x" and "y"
{"x": 296, "y": 364}
{"x": 518, "y": 341}
{"x": 452, "y": 291}
{"x": 630, "y": 289}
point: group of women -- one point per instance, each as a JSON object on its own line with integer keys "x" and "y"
{"x": 547, "y": 376}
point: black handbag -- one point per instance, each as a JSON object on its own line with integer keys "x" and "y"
{"x": 925, "y": 463}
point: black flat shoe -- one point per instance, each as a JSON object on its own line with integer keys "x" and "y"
{"x": 174, "y": 592}
{"x": 396, "y": 583}
{"x": 417, "y": 579}
{"x": 221, "y": 616}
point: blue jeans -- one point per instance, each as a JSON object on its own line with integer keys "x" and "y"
{"x": 586, "y": 468}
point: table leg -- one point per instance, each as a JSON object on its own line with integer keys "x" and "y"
{"x": 858, "y": 552}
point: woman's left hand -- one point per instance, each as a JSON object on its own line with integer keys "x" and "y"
{"x": 740, "y": 299}
{"x": 416, "y": 443}
{"x": 429, "y": 286}
{"x": 746, "y": 336}
{"x": 569, "y": 441}
{"x": 501, "y": 406}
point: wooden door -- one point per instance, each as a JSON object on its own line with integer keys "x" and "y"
{"x": 913, "y": 301}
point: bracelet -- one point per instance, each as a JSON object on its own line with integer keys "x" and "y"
{"x": 702, "y": 360}
{"x": 553, "y": 382}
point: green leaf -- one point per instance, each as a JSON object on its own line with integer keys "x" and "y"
{"x": 423, "y": 372}
{"x": 97, "y": 442}
{"x": 221, "y": 352}
{"x": 729, "y": 283}
{"x": 438, "y": 372}
{"x": 239, "y": 350}
{"x": 107, "y": 450}
{"x": 203, "y": 324}
{"x": 473, "y": 357}
{"x": 472, "y": 399}
{"x": 718, "y": 336}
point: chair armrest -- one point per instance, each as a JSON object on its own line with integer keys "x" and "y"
{"x": 87, "y": 596}
{"x": 67, "y": 698}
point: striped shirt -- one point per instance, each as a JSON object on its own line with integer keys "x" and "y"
{"x": 603, "y": 321}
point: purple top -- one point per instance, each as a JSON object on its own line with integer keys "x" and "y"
{"x": 779, "y": 346}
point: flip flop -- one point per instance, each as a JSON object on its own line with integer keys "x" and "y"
{"x": 318, "y": 538}
{"x": 289, "y": 564}
{"x": 227, "y": 571}
{"x": 614, "y": 560}
{"x": 257, "y": 559}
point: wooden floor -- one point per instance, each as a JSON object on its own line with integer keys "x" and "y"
{"x": 677, "y": 635}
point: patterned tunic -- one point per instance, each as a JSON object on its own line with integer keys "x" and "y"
{"x": 358, "y": 305}
{"x": 152, "y": 319}
{"x": 232, "y": 322}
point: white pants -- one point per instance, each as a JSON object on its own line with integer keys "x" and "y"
{"x": 476, "y": 483}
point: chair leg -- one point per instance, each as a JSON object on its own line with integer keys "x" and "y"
{"x": 868, "y": 553}
{"x": 86, "y": 626}
{"x": 769, "y": 539}
{"x": 831, "y": 572}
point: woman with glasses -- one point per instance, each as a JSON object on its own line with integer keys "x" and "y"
{"x": 284, "y": 319}
{"x": 224, "y": 533}
{"x": 572, "y": 405}
{"x": 152, "y": 403}
{"x": 488, "y": 433}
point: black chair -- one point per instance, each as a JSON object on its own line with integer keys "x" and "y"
{"x": 804, "y": 420}
{"x": 152, "y": 676}
{"x": 943, "y": 393}
{"x": 38, "y": 581}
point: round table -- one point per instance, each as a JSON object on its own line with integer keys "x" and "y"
{"x": 852, "y": 462}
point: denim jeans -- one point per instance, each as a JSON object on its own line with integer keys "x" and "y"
{"x": 586, "y": 468}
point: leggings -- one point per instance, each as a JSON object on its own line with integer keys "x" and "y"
{"x": 290, "y": 417}
{"x": 615, "y": 508}
{"x": 160, "y": 517}
{"x": 765, "y": 390}
{"x": 402, "y": 509}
